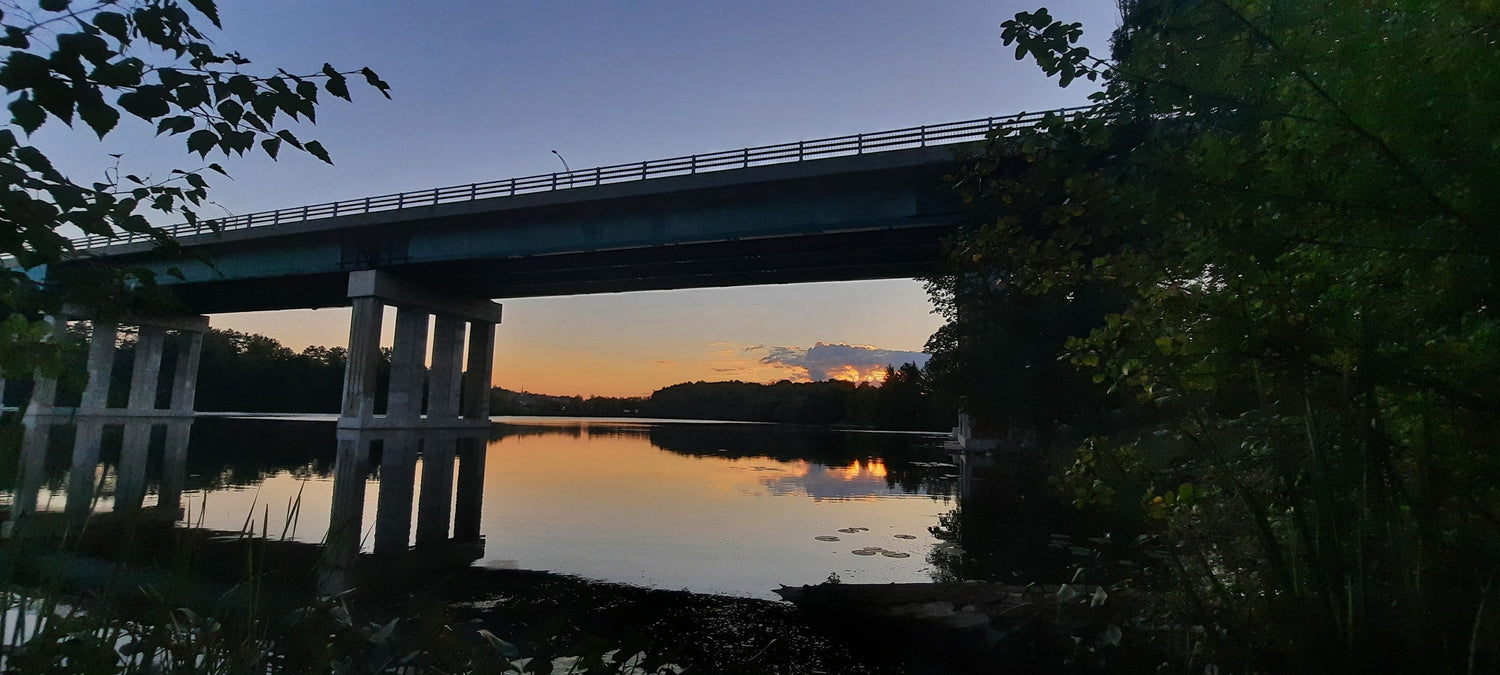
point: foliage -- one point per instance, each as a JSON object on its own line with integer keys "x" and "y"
{"x": 900, "y": 403}
{"x": 1294, "y": 203}
{"x": 248, "y": 372}
{"x": 94, "y": 63}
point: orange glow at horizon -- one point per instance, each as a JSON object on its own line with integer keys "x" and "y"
{"x": 852, "y": 373}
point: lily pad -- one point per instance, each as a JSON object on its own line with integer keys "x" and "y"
{"x": 826, "y": 537}
{"x": 895, "y": 554}
{"x": 863, "y": 551}
{"x": 849, "y": 530}
{"x": 906, "y": 536}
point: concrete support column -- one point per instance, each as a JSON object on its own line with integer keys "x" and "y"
{"x": 398, "y": 476}
{"x": 33, "y": 462}
{"x": 364, "y": 359}
{"x": 146, "y": 370}
{"x": 185, "y": 374}
{"x": 81, "y": 475}
{"x": 447, "y": 368}
{"x": 44, "y": 388}
{"x": 174, "y": 464}
{"x": 480, "y": 372}
{"x": 130, "y": 475}
{"x": 470, "y": 493}
{"x": 101, "y": 366}
{"x": 436, "y": 502}
{"x": 347, "y": 514}
{"x": 408, "y": 365}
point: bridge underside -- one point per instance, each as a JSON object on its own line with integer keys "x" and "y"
{"x": 846, "y": 256}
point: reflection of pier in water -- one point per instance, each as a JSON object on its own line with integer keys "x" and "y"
{"x": 447, "y": 494}
{"x": 438, "y": 505}
{"x": 86, "y": 483}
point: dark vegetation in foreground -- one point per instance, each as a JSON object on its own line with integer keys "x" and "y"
{"x": 1262, "y": 272}
{"x": 134, "y": 593}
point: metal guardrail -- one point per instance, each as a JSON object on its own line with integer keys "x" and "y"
{"x": 783, "y": 153}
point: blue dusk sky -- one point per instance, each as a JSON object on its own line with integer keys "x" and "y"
{"x": 487, "y": 90}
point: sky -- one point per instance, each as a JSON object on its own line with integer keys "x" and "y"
{"x": 488, "y": 90}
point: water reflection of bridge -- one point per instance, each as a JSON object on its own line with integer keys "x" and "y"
{"x": 447, "y": 506}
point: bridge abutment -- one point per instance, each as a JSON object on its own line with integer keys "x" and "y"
{"x": 456, "y": 396}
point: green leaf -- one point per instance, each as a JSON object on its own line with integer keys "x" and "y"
{"x": 241, "y": 86}
{"x": 100, "y": 116}
{"x": 264, "y": 105}
{"x": 123, "y": 73}
{"x": 53, "y": 5}
{"x": 271, "y": 146}
{"x": 337, "y": 86}
{"x": 23, "y": 70}
{"x": 376, "y": 82}
{"x": 113, "y": 24}
{"x": 289, "y": 138}
{"x": 231, "y": 111}
{"x": 14, "y": 37}
{"x": 316, "y": 150}
{"x": 202, "y": 141}
{"x": 177, "y": 124}
{"x": 26, "y": 114}
{"x": 34, "y": 159}
{"x": 57, "y": 97}
{"x": 254, "y": 120}
{"x": 208, "y": 9}
{"x": 193, "y": 93}
{"x": 146, "y": 102}
{"x": 308, "y": 90}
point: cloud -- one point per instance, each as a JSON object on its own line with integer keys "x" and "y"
{"x": 839, "y": 361}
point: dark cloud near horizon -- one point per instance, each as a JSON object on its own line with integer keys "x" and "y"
{"x": 825, "y": 361}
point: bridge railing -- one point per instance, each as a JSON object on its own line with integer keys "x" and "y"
{"x": 782, "y": 153}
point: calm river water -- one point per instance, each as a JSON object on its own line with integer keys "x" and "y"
{"x": 709, "y": 507}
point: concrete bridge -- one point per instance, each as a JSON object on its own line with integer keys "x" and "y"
{"x": 866, "y": 206}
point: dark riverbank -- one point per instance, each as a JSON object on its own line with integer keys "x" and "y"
{"x": 834, "y": 628}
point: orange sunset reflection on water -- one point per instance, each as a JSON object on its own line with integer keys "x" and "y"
{"x": 607, "y": 501}
{"x": 728, "y": 508}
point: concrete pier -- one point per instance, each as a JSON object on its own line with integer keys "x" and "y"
{"x": 146, "y": 369}
{"x": 447, "y": 369}
{"x": 370, "y": 291}
{"x": 101, "y": 365}
{"x": 408, "y": 365}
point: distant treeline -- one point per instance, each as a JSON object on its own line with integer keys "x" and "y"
{"x": 902, "y": 402}
{"x": 254, "y": 373}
